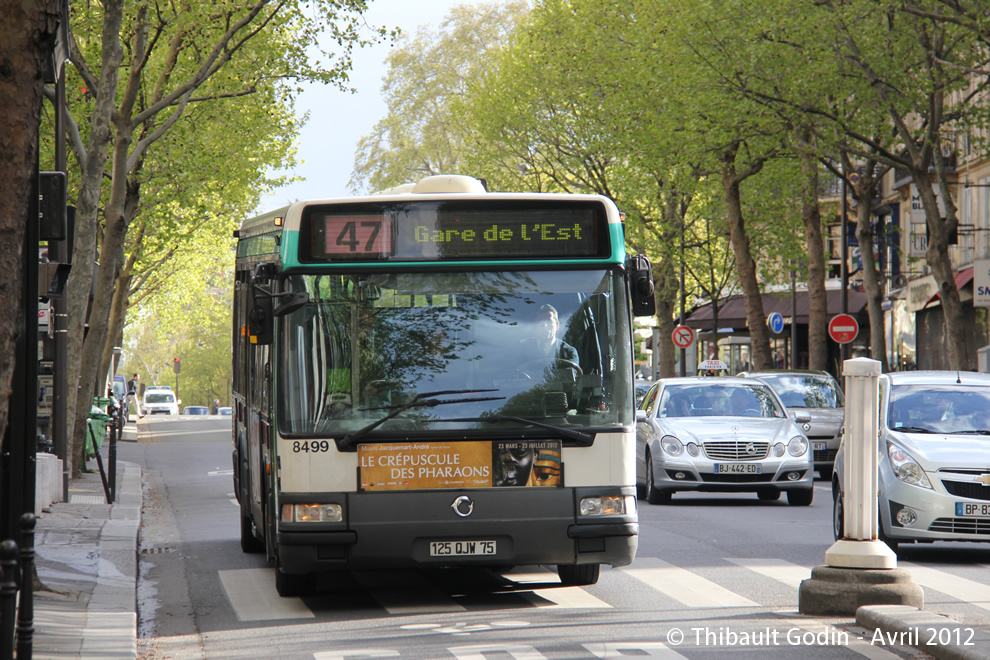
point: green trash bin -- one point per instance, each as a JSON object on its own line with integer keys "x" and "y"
{"x": 96, "y": 426}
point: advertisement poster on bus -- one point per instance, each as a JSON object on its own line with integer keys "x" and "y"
{"x": 473, "y": 464}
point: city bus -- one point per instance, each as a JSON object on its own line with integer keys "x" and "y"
{"x": 437, "y": 376}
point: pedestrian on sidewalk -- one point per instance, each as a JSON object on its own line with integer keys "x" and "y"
{"x": 132, "y": 393}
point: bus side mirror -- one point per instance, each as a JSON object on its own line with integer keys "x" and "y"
{"x": 640, "y": 273}
{"x": 260, "y": 315}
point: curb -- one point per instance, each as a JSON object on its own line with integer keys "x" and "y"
{"x": 936, "y": 635}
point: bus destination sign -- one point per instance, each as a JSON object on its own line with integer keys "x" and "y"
{"x": 434, "y": 231}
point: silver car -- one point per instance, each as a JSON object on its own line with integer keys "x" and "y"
{"x": 720, "y": 434}
{"x": 934, "y": 467}
{"x": 818, "y": 394}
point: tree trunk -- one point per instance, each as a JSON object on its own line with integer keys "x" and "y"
{"x": 872, "y": 284}
{"x": 667, "y": 287}
{"x": 745, "y": 266}
{"x": 817, "y": 303}
{"x": 28, "y": 34}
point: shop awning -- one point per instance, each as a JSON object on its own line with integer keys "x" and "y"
{"x": 963, "y": 277}
{"x": 732, "y": 313}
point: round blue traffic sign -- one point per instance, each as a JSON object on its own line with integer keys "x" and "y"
{"x": 776, "y": 323}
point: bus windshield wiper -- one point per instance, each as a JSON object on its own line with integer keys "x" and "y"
{"x": 421, "y": 400}
{"x": 572, "y": 434}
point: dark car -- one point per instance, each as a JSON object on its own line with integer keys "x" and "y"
{"x": 818, "y": 394}
{"x": 195, "y": 410}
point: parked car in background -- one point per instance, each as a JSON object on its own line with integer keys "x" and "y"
{"x": 934, "y": 459}
{"x": 720, "y": 434}
{"x": 225, "y": 411}
{"x": 120, "y": 391}
{"x": 818, "y": 394}
{"x": 641, "y": 387}
{"x": 195, "y": 410}
{"x": 160, "y": 400}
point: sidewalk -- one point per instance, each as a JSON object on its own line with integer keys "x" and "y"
{"x": 87, "y": 562}
{"x": 86, "y": 555}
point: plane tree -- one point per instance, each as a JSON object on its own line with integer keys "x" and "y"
{"x": 140, "y": 69}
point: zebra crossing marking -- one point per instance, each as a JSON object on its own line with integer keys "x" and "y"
{"x": 968, "y": 591}
{"x": 684, "y": 586}
{"x": 782, "y": 571}
{"x": 251, "y": 592}
{"x": 563, "y": 597}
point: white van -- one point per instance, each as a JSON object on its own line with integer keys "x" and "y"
{"x": 160, "y": 401}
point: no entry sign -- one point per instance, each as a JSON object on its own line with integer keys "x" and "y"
{"x": 843, "y": 328}
{"x": 683, "y": 336}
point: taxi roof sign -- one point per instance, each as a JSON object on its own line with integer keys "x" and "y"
{"x": 713, "y": 365}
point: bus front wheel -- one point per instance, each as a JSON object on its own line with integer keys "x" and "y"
{"x": 578, "y": 575}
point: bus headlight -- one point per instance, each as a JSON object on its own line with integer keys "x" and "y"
{"x": 321, "y": 513}
{"x": 608, "y": 505}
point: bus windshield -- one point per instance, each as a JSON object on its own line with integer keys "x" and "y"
{"x": 495, "y": 349}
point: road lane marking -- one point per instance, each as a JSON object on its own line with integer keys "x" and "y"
{"x": 563, "y": 597}
{"x": 418, "y": 595}
{"x": 684, "y": 586}
{"x": 777, "y": 569}
{"x": 968, "y": 591}
{"x": 251, "y": 592}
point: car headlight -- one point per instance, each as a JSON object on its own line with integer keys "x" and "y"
{"x": 906, "y": 468}
{"x": 672, "y": 445}
{"x": 779, "y": 449}
{"x": 693, "y": 450}
{"x": 608, "y": 505}
{"x": 798, "y": 446}
{"x": 312, "y": 513}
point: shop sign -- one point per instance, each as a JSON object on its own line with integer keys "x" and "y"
{"x": 919, "y": 291}
{"x": 981, "y": 283}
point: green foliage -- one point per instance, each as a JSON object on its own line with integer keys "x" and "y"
{"x": 422, "y": 133}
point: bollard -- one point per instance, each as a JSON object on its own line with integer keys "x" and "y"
{"x": 859, "y": 548}
{"x": 8, "y": 597}
{"x": 25, "y": 610}
{"x": 112, "y": 451}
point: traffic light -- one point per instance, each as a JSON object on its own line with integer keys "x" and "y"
{"x": 176, "y": 365}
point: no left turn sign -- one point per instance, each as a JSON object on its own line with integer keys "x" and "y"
{"x": 683, "y": 336}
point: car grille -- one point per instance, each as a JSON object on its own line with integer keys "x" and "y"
{"x": 825, "y": 455}
{"x": 970, "y": 490}
{"x": 978, "y": 526}
{"x": 732, "y": 478}
{"x": 736, "y": 450}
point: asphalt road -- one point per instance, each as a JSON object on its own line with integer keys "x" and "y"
{"x": 714, "y": 575}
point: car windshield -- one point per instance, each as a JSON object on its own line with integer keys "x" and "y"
{"x": 924, "y": 408}
{"x": 703, "y": 400}
{"x": 504, "y": 348}
{"x": 159, "y": 397}
{"x": 805, "y": 390}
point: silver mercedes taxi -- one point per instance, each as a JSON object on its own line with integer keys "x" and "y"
{"x": 722, "y": 434}
{"x": 818, "y": 394}
{"x": 934, "y": 467}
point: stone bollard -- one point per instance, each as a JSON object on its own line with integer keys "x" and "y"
{"x": 859, "y": 569}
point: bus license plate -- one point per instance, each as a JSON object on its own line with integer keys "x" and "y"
{"x": 970, "y": 509}
{"x": 461, "y": 548}
{"x": 741, "y": 468}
